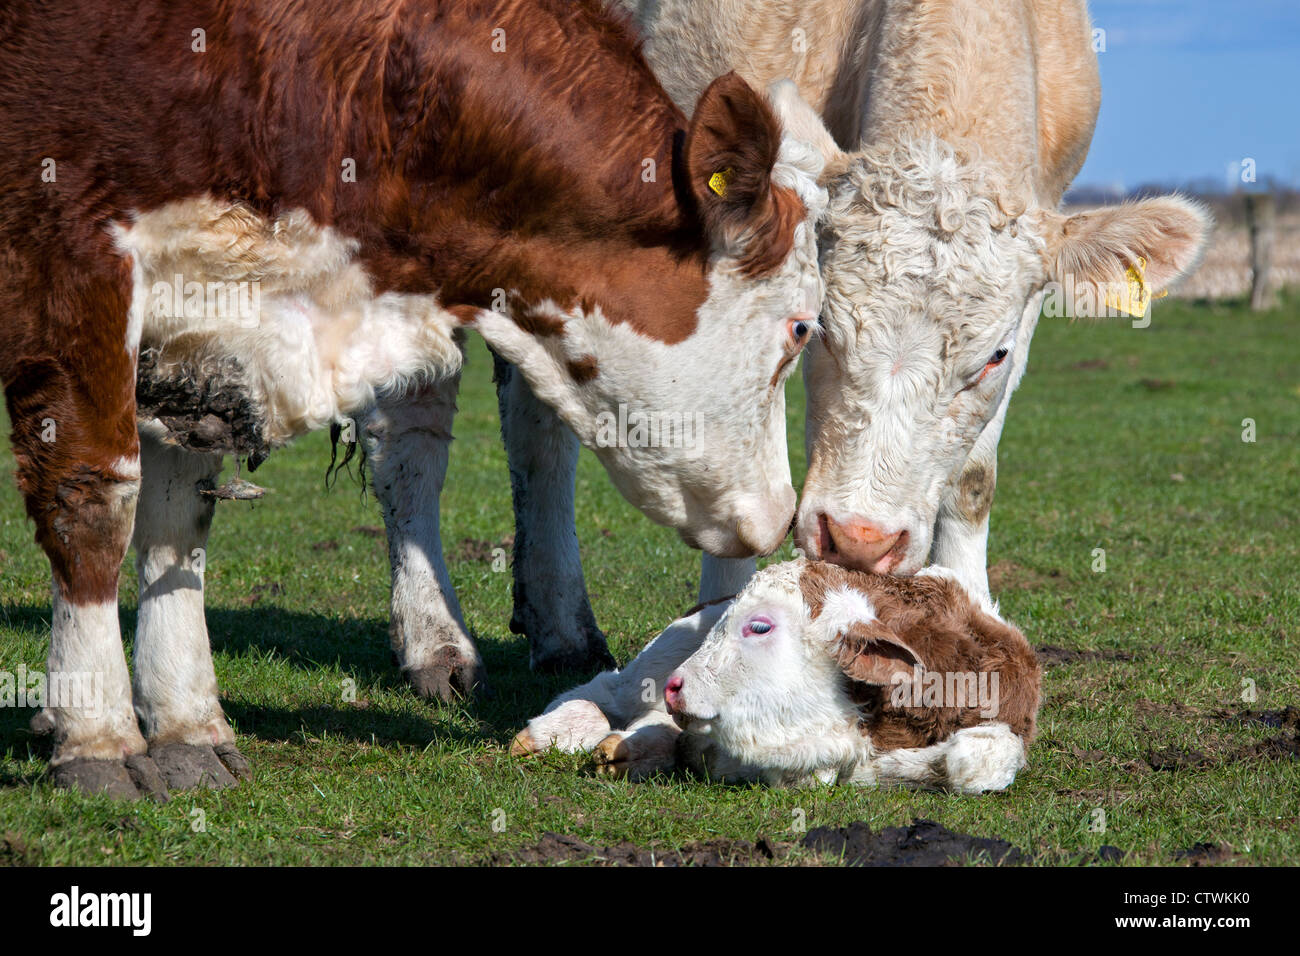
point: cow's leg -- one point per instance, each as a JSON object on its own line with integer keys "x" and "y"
{"x": 78, "y": 468}
{"x": 962, "y": 531}
{"x": 175, "y": 685}
{"x": 551, "y": 606}
{"x": 409, "y": 439}
{"x": 724, "y": 577}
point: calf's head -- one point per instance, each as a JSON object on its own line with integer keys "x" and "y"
{"x": 773, "y": 684}
{"x": 935, "y": 273}
{"x": 670, "y": 364}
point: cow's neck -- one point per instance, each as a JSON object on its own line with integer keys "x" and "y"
{"x": 1012, "y": 79}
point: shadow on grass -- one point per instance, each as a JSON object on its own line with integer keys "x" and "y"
{"x": 314, "y": 643}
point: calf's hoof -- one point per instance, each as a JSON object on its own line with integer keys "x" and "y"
{"x": 194, "y": 766}
{"x": 453, "y": 675}
{"x": 633, "y": 757}
{"x": 90, "y": 775}
{"x": 523, "y": 745}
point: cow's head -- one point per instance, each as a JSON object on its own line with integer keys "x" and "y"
{"x": 684, "y": 406}
{"x": 935, "y": 272}
{"x": 767, "y": 686}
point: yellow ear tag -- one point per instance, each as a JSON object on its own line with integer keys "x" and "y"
{"x": 720, "y": 180}
{"x": 1135, "y": 298}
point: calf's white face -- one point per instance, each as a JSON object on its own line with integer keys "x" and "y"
{"x": 765, "y": 686}
{"x": 935, "y": 271}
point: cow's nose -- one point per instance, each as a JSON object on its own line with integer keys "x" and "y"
{"x": 860, "y": 545}
{"x": 673, "y": 693}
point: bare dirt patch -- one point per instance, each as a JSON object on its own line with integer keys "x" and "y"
{"x": 1052, "y": 655}
{"x": 923, "y": 843}
{"x": 476, "y": 549}
{"x": 1009, "y": 576}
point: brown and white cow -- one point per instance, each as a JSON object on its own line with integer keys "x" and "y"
{"x": 294, "y": 210}
{"x": 815, "y": 672}
{"x": 951, "y": 129}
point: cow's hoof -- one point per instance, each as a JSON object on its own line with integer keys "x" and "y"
{"x": 452, "y": 676}
{"x": 235, "y": 761}
{"x": 594, "y": 657}
{"x": 191, "y": 767}
{"x": 42, "y": 723}
{"x": 109, "y": 777}
{"x": 523, "y": 745}
{"x": 146, "y": 776}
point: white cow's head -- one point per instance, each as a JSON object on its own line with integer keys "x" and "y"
{"x": 935, "y": 272}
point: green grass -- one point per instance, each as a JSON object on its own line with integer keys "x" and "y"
{"x": 1122, "y": 439}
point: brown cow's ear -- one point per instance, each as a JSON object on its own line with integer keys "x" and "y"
{"x": 870, "y": 653}
{"x": 731, "y": 147}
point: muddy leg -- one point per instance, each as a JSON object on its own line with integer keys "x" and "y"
{"x": 78, "y": 470}
{"x": 551, "y": 604}
{"x": 410, "y": 441}
{"x": 175, "y": 685}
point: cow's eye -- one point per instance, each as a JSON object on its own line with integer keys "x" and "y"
{"x": 998, "y": 357}
{"x": 799, "y": 328}
{"x": 759, "y": 625}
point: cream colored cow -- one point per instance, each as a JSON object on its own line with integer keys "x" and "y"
{"x": 951, "y": 129}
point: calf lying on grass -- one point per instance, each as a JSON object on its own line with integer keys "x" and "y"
{"x": 816, "y": 673}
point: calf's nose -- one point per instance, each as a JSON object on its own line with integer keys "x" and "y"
{"x": 860, "y": 545}
{"x": 673, "y": 693}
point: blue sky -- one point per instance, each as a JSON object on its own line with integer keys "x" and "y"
{"x": 1192, "y": 86}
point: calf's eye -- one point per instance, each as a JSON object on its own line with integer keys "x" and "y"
{"x": 759, "y": 625}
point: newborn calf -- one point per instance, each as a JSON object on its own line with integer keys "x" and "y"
{"x": 816, "y": 673}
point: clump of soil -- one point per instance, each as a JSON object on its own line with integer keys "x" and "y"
{"x": 271, "y": 588}
{"x": 923, "y": 843}
{"x": 1205, "y": 854}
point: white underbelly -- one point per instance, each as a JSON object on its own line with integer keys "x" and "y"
{"x": 288, "y": 301}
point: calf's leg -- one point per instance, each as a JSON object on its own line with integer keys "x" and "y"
{"x": 409, "y": 439}
{"x": 551, "y": 606}
{"x": 175, "y": 685}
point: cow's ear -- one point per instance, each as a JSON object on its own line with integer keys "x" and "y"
{"x": 730, "y": 149}
{"x": 870, "y": 653}
{"x": 1161, "y": 239}
{"x": 801, "y": 122}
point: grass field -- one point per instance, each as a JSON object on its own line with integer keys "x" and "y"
{"x": 1120, "y": 439}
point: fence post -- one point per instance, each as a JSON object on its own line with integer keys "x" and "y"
{"x": 1260, "y": 219}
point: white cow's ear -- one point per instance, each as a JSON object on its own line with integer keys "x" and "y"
{"x": 1164, "y": 238}
{"x": 871, "y": 653}
{"x": 800, "y": 121}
